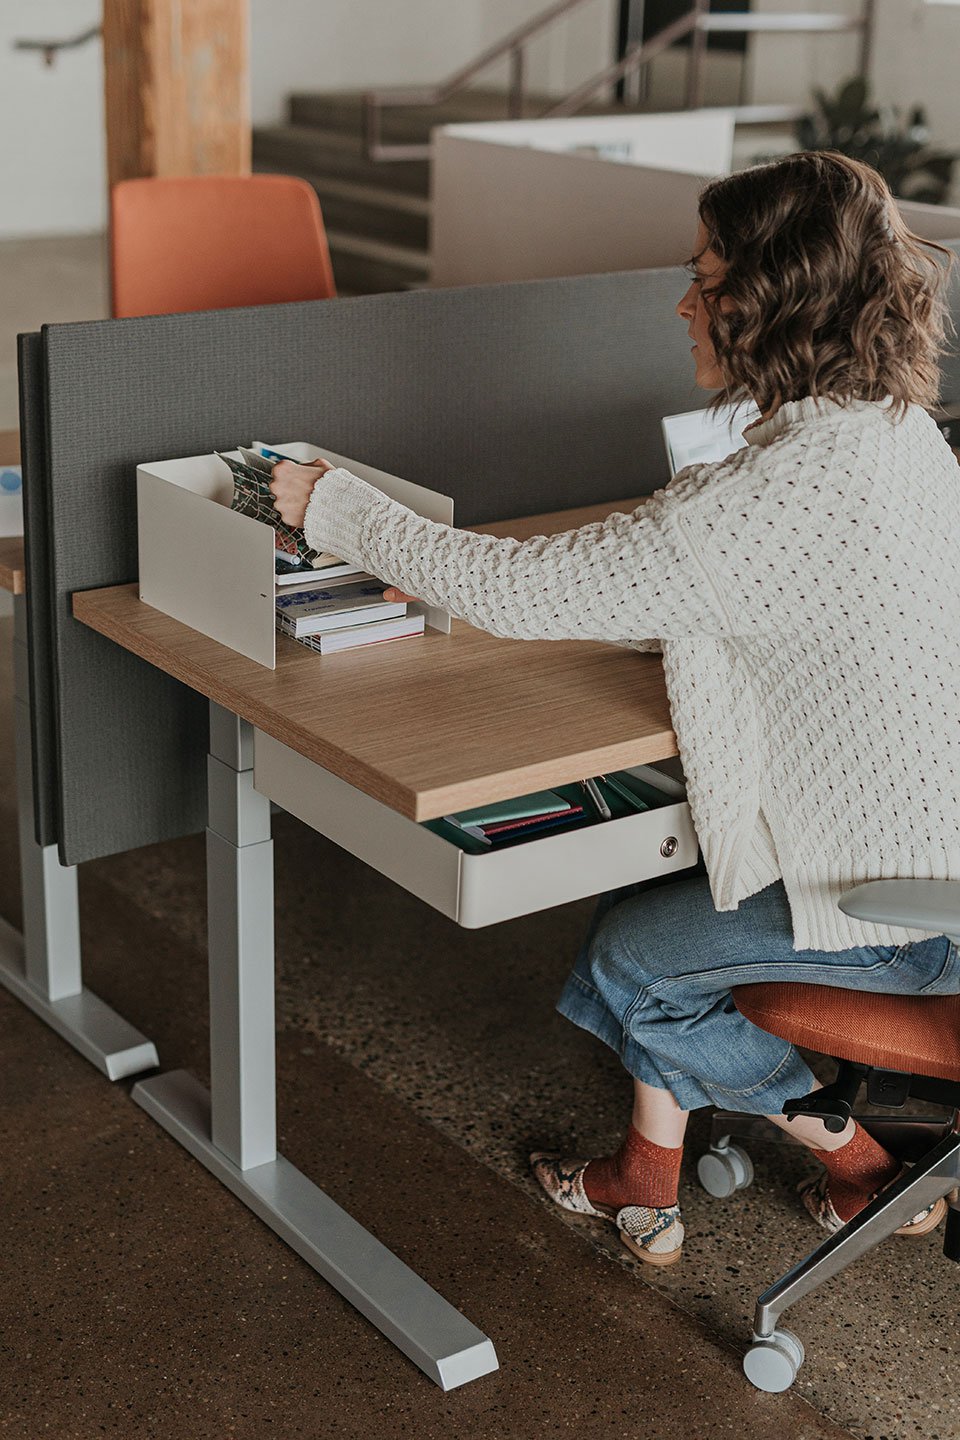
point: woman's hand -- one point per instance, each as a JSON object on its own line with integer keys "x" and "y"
{"x": 394, "y": 594}
{"x": 292, "y": 486}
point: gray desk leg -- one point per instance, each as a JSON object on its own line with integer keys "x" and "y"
{"x": 42, "y": 967}
{"x": 233, "y": 1131}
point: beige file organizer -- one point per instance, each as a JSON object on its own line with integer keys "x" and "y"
{"x": 212, "y": 568}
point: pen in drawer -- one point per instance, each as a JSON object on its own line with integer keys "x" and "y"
{"x": 599, "y": 804}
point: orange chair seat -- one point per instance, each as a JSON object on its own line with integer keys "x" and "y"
{"x": 916, "y": 1033}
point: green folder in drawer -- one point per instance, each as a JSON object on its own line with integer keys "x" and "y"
{"x": 501, "y": 812}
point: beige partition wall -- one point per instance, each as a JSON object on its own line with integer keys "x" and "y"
{"x": 527, "y": 200}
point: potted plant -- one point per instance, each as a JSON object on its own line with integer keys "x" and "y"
{"x": 900, "y": 149}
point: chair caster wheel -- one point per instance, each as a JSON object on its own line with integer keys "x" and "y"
{"x": 724, "y": 1169}
{"x": 772, "y": 1364}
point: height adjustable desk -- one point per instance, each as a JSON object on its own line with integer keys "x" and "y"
{"x": 364, "y": 746}
{"x": 42, "y": 966}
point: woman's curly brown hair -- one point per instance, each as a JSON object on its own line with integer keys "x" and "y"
{"x": 831, "y": 294}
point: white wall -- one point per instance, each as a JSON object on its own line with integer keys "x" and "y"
{"x": 52, "y": 151}
{"x": 915, "y": 53}
{"x": 782, "y": 69}
{"x": 915, "y": 62}
{"x": 356, "y": 44}
{"x": 52, "y": 166}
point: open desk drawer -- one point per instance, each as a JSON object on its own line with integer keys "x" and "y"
{"x": 476, "y": 890}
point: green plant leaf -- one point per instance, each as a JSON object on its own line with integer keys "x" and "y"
{"x": 852, "y": 98}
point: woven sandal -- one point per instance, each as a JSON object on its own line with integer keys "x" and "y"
{"x": 653, "y": 1233}
{"x": 815, "y": 1195}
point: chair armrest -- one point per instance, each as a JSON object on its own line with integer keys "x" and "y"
{"x": 932, "y": 905}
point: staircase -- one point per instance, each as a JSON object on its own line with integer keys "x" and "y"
{"x": 366, "y": 155}
{"x": 377, "y": 215}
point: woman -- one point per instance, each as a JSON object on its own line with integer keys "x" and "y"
{"x": 805, "y": 596}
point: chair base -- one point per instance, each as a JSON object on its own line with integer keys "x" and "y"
{"x": 931, "y": 1146}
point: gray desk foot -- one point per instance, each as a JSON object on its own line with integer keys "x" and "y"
{"x": 404, "y": 1308}
{"x": 101, "y": 1035}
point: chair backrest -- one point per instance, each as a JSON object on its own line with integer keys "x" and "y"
{"x": 212, "y": 242}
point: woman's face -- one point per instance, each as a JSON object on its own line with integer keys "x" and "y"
{"x": 694, "y": 308}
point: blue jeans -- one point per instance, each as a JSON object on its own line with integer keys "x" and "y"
{"x": 653, "y": 981}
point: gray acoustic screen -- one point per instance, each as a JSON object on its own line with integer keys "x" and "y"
{"x": 514, "y": 399}
{"x": 33, "y": 421}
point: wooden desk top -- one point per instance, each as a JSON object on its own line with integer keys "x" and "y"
{"x": 13, "y": 575}
{"x": 431, "y": 725}
{"x": 9, "y": 447}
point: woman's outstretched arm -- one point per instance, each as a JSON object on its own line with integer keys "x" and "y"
{"x": 618, "y": 580}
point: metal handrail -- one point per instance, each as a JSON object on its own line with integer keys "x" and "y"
{"x": 635, "y": 57}
{"x": 375, "y": 101}
{"x": 50, "y": 48}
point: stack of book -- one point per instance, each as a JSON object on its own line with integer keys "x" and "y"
{"x": 330, "y": 613}
{"x": 322, "y": 601}
{"x": 528, "y": 815}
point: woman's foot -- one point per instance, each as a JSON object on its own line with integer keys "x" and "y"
{"x": 818, "y": 1202}
{"x": 654, "y": 1233}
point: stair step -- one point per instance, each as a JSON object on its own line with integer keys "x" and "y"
{"x": 412, "y": 124}
{"x": 400, "y": 257}
{"x": 365, "y": 275}
{"x": 343, "y": 111}
{"x": 302, "y": 149}
{"x": 367, "y": 210}
{"x": 375, "y": 196}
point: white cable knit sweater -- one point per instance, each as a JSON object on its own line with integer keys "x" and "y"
{"x": 805, "y": 593}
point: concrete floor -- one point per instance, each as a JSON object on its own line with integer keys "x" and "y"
{"x": 418, "y": 1063}
{"x": 42, "y": 280}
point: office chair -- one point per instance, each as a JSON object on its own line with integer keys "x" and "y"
{"x": 211, "y": 242}
{"x": 901, "y": 1047}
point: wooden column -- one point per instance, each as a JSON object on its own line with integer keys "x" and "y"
{"x": 177, "y": 87}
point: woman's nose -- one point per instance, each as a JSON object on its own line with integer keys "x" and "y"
{"x": 685, "y": 306}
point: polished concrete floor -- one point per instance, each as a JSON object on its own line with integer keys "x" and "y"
{"x": 44, "y": 280}
{"x": 417, "y": 1063}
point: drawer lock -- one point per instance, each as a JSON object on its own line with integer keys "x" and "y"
{"x": 669, "y": 847}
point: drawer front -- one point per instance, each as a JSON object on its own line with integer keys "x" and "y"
{"x": 563, "y": 867}
{"x": 475, "y": 890}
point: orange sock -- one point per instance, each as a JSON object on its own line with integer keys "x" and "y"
{"x": 640, "y": 1173}
{"x": 857, "y": 1171}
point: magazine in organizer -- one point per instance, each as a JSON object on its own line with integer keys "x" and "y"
{"x": 213, "y": 569}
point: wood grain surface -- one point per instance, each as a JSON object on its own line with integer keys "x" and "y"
{"x": 12, "y": 572}
{"x": 434, "y": 724}
{"x": 176, "y": 88}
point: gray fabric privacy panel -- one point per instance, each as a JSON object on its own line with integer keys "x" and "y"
{"x": 513, "y": 398}
{"x": 33, "y": 457}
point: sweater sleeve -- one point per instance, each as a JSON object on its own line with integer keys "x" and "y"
{"x": 619, "y": 580}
